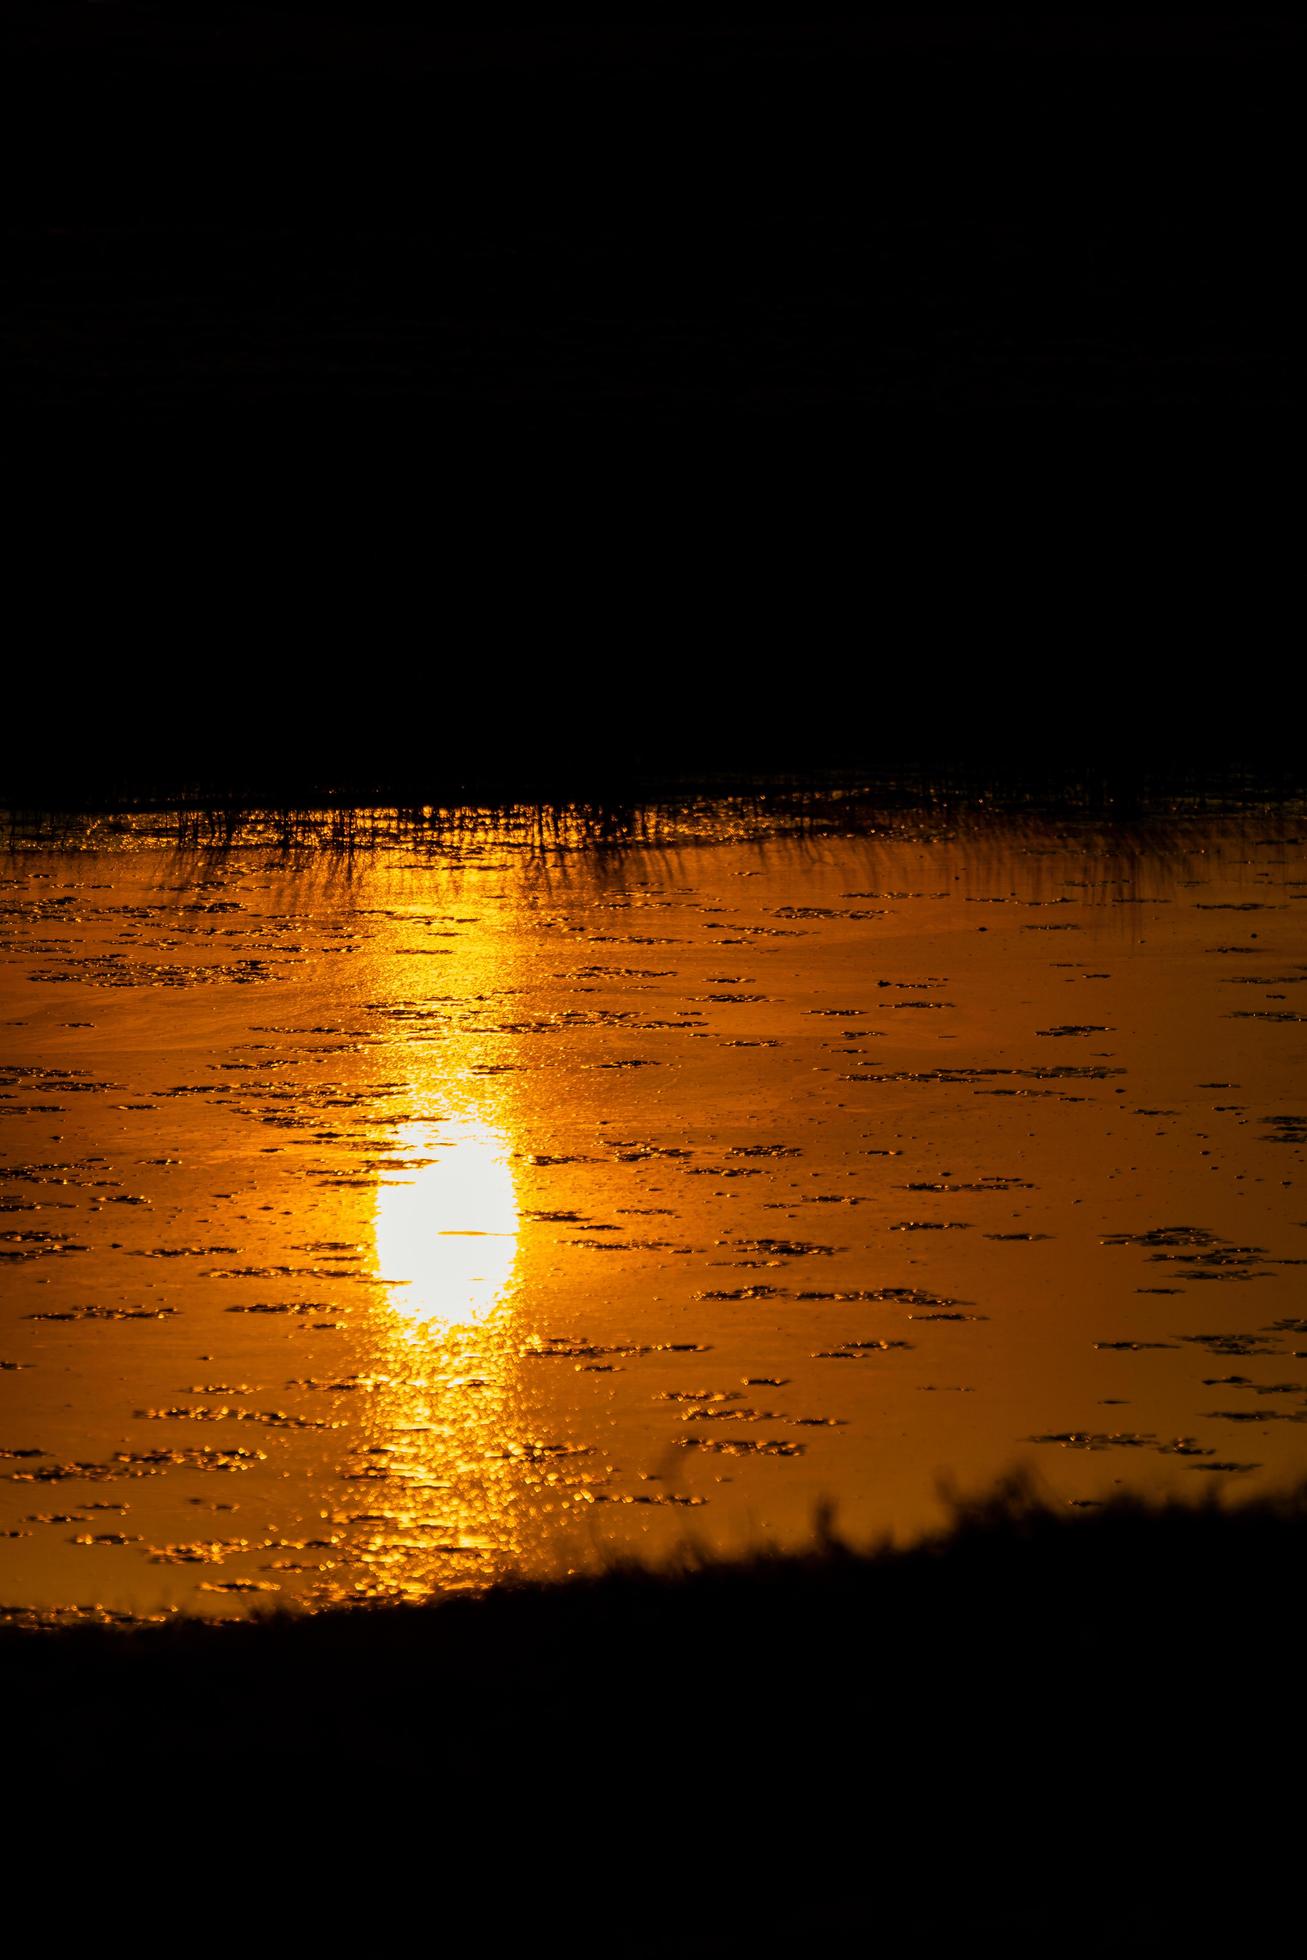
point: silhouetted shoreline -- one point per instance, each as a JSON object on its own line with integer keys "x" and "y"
{"x": 1059, "y": 1727}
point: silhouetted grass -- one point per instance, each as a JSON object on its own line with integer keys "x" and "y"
{"x": 619, "y": 800}
{"x": 1058, "y": 1727}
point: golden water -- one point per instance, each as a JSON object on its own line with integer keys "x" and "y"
{"x": 381, "y": 1225}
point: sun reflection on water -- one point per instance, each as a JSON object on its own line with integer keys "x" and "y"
{"x": 446, "y": 1224}
{"x": 436, "y": 1451}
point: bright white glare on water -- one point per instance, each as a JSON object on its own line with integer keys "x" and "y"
{"x": 446, "y": 1227}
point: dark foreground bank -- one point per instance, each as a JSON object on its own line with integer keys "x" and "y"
{"x": 1072, "y": 1731}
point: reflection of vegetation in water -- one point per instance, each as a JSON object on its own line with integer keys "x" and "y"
{"x": 1134, "y": 811}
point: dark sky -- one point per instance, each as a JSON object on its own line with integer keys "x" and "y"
{"x": 779, "y": 393}
{"x": 399, "y": 210}
{"x": 372, "y": 607}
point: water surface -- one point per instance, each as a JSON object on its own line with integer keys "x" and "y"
{"x": 397, "y": 1223}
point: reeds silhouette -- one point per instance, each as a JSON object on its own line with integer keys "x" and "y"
{"x": 623, "y": 799}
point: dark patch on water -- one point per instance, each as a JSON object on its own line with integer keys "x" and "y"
{"x": 775, "y": 1251}
{"x": 1086, "y": 1439}
{"x": 1133, "y": 1347}
{"x": 94, "y": 1312}
{"x": 737, "y": 1446}
{"x": 858, "y": 1350}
